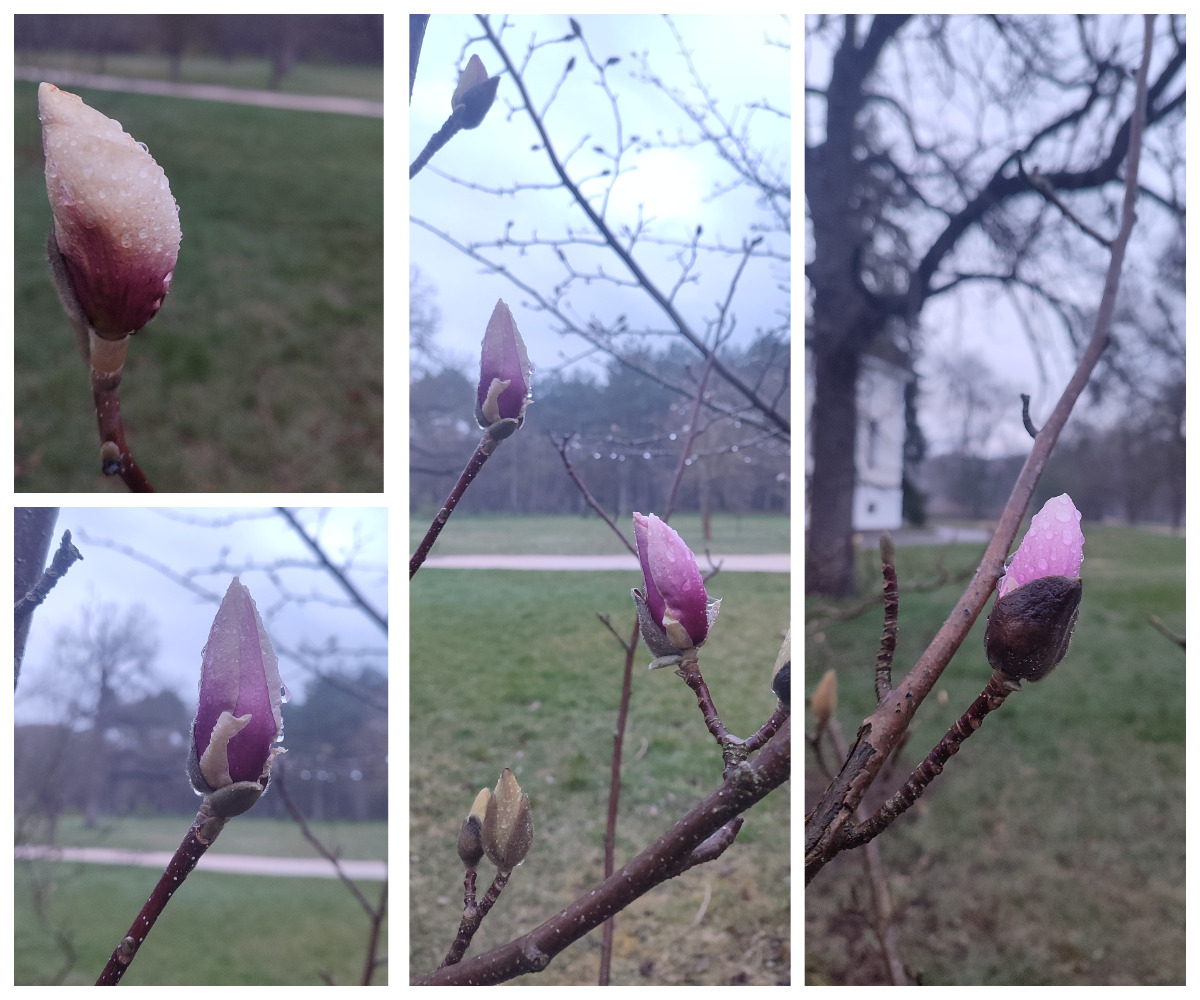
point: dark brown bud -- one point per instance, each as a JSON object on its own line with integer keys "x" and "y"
{"x": 470, "y": 837}
{"x": 1030, "y": 628}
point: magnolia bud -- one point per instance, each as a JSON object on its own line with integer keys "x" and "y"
{"x": 507, "y": 824}
{"x": 470, "y": 837}
{"x": 824, "y": 699}
{"x": 1030, "y": 628}
{"x": 781, "y": 678}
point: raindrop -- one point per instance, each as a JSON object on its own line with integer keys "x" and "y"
{"x": 285, "y": 694}
{"x": 145, "y": 148}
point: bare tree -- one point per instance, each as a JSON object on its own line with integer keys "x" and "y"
{"x": 945, "y": 152}
{"x": 104, "y": 662}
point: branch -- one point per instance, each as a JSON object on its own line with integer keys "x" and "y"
{"x": 626, "y": 258}
{"x": 336, "y": 573}
{"x": 667, "y": 857}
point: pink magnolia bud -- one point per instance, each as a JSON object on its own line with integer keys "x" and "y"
{"x": 239, "y": 718}
{"x": 1053, "y": 546}
{"x": 675, "y": 613}
{"x": 504, "y": 371}
{"x": 1037, "y": 601}
{"x": 115, "y": 222}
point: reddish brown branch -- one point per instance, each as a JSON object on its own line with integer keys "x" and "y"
{"x": 482, "y": 453}
{"x": 180, "y": 867}
{"x": 115, "y": 457}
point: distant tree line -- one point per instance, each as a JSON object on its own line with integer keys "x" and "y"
{"x": 283, "y": 38}
{"x": 335, "y": 767}
{"x": 624, "y": 433}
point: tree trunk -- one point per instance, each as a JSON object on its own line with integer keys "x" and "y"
{"x": 829, "y": 551}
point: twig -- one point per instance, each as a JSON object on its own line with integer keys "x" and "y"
{"x": 1046, "y": 190}
{"x": 64, "y": 556}
{"x": 891, "y": 617}
{"x": 1175, "y": 637}
{"x": 614, "y": 795}
{"x": 452, "y": 127}
{"x": 1025, "y": 418}
{"x": 336, "y": 573}
{"x": 115, "y": 457}
{"x": 881, "y": 895}
{"x": 473, "y": 917}
{"x": 200, "y": 836}
{"x": 561, "y": 447}
{"x": 482, "y": 453}
{"x": 994, "y": 694}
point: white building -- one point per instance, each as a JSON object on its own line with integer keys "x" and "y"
{"x": 879, "y": 445}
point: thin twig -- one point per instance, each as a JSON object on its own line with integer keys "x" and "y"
{"x": 482, "y": 453}
{"x": 1025, "y": 417}
{"x": 200, "y": 836}
{"x": 64, "y": 556}
{"x": 561, "y": 447}
{"x": 116, "y": 459}
{"x": 891, "y": 617}
{"x": 336, "y": 573}
{"x": 881, "y": 895}
{"x": 994, "y": 694}
{"x": 614, "y": 795}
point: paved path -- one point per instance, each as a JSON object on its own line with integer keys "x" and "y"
{"x": 213, "y": 861}
{"x": 204, "y": 92}
{"x": 625, "y": 563}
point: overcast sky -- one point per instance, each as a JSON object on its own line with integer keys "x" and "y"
{"x": 675, "y": 187}
{"x": 220, "y": 543}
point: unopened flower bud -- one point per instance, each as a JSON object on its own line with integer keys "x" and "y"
{"x": 1037, "y": 602}
{"x": 116, "y": 226}
{"x": 824, "y": 699}
{"x": 781, "y": 677}
{"x": 239, "y": 718}
{"x": 470, "y": 837}
{"x": 504, "y": 373}
{"x": 474, "y": 95}
{"x": 674, "y": 613}
{"x": 507, "y": 824}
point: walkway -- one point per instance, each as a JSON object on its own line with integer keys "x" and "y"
{"x": 627, "y": 563}
{"x": 203, "y": 92}
{"x": 243, "y": 864}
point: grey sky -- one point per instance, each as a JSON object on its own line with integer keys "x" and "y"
{"x": 184, "y": 541}
{"x": 674, "y": 186}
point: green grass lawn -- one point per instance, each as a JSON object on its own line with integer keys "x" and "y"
{"x": 744, "y": 534}
{"x": 512, "y": 669}
{"x": 219, "y": 929}
{"x": 1051, "y": 850}
{"x": 365, "y": 82}
{"x": 264, "y": 369}
{"x": 279, "y": 838}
